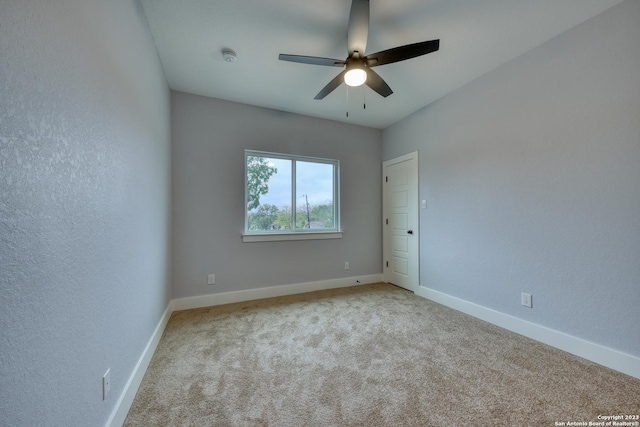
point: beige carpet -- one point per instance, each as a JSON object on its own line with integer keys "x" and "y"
{"x": 372, "y": 355}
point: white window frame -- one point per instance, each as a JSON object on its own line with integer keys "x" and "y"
{"x": 294, "y": 234}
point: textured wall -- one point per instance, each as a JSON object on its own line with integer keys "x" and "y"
{"x": 532, "y": 179}
{"x": 209, "y": 138}
{"x": 84, "y": 205}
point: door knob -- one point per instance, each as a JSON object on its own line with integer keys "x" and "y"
{"x": 409, "y": 231}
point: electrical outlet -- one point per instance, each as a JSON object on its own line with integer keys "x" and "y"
{"x": 346, "y": 265}
{"x": 106, "y": 383}
{"x": 527, "y": 300}
{"x": 211, "y": 279}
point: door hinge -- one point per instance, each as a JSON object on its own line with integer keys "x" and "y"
{"x": 387, "y": 221}
{"x": 387, "y": 263}
{"x": 386, "y": 179}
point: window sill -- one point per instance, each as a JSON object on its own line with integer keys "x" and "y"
{"x": 248, "y": 238}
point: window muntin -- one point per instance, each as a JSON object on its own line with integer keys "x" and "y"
{"x": 286, "y": 194}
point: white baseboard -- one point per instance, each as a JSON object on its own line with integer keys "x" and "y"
{"x": 605, "y": 356}
{"x": 123, "y": 405}
{"x": 270, "y": 292}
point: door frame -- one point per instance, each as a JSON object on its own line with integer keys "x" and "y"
{"x": 386, "y": 241}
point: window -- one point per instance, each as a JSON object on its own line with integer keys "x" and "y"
{"x": 290, "y": 197}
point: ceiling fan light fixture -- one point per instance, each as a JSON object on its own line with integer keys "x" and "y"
{"x": 355, "y": 77}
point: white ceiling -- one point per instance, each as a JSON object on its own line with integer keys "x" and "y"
{"x": 476, "y": 36}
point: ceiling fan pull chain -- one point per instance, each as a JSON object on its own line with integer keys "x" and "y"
{"x": 347, "y": 101}
{"x": 364, "y": 98}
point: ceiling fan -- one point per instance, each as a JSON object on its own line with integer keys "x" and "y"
{"x": 357, "y": 66}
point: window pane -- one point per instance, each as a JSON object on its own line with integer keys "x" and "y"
{"x": 314, "y": 195}
{"x": 271, "y": 208}
{"x": 268, "y": 194}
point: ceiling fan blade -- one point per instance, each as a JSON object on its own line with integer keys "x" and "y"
{"x": 375, "y": 82}
{"x": 313, "y": 60}
{"x": 331, "y": 86}
{"x": 401, "y": 53}
{"x": 358, "y": 31}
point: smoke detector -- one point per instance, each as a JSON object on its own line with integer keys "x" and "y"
{"x": 229, "y": 55}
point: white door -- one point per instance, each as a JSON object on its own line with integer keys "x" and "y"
{"x": 401, "y": 235}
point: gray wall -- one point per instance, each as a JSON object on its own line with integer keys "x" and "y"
{"x": 532, "y": 178}
{"x": 84, "y": 205}
{"x": 209, "y": 138}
